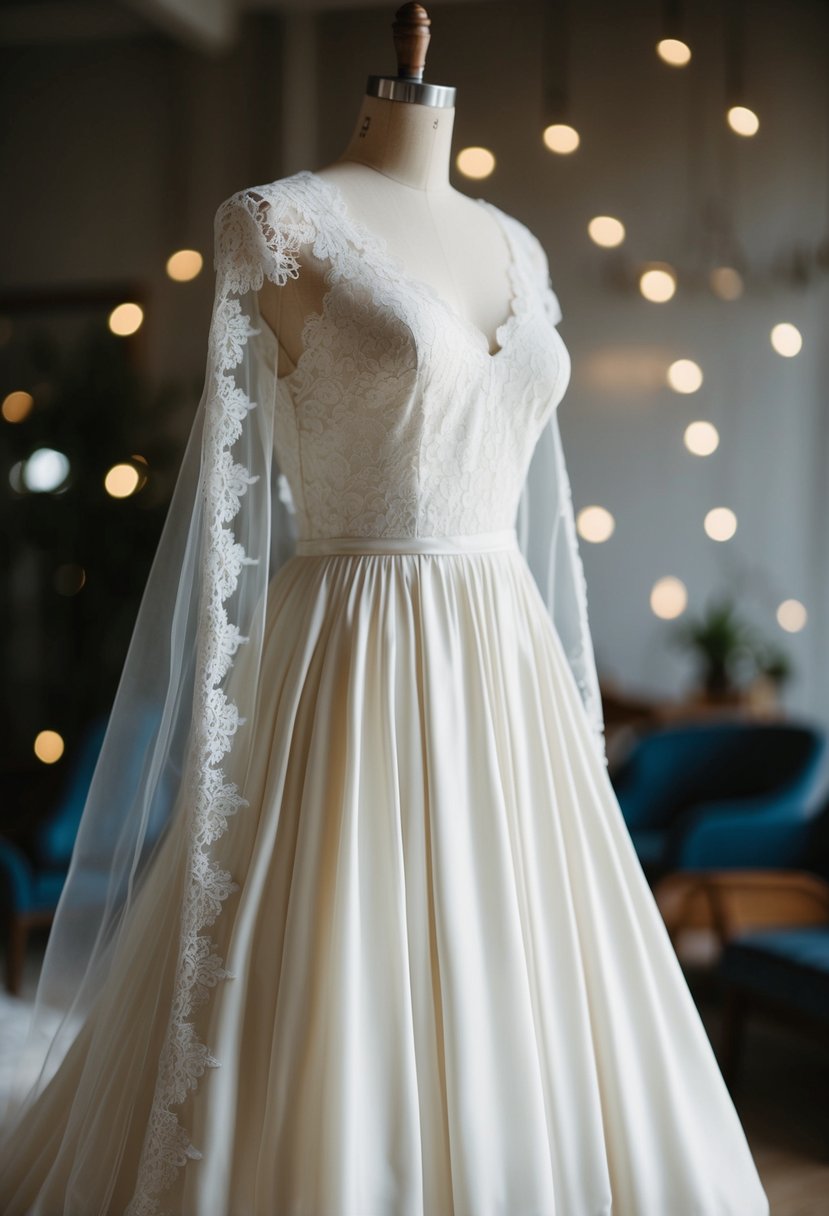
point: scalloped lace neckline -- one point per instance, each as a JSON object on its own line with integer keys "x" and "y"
{"x": 369, "y": 240}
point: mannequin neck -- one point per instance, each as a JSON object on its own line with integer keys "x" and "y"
{"x": 407, "y": 142}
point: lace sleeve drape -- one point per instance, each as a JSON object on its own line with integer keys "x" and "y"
{"x": 171, "y": 767}
{"x": 547, "y": 534}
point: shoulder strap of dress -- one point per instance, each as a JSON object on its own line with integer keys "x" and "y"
{"x": 260, "y": 230}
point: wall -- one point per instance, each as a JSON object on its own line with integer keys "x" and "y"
{"x": 121, "y": 150}
{"x": 117, "y": 152}
{"x": 655, "y": 151}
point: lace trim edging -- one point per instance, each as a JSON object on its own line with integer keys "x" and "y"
{"x": 246, "y": 241}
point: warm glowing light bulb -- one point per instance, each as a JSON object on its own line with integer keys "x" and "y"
{"x": 658, "y": 284}
{"x": 702, "y": 438}
{"x": 48, "y": 746}
{"x": 743, "y": 121}
{"x": 475, "y": 162}
{"x": 17, "y": 405}
{"x": 184, "y": 265}
{"x": 669, "y": 598}
{"x": 595, "y": 524}
{"x": 606, "y": 231}
{"x": 726, "y": 282}
{"x": 786, "y": 339}
{"x": 561, "y": 137}
{"x": 792, "y": 616}
{"x": 685, "y": 376}
{"x": 674, "y": 51}
{"x": 121, "y": 481}
{"x": 720, "y": 523}
{"x": 126, "y": 319}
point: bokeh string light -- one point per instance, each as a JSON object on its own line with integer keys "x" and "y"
{"x": 672, "y": 47}
{"x": 606, "y": 231}
{"x": 595, "y": 524}
{"x": 475, "y": 162}
{"x": 559, "y": 133}
{"x": 685, "y": 376}
{"x": 184, "y": 265}
{"x": 126, "y": 319}
{"x": 668, "y": 598}
{"x": 701, "y": 438}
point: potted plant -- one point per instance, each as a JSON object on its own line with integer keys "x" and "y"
{"x": 722, "y": 643}
{"x": 735, "y": 662}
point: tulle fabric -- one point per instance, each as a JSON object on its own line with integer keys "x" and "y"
{"x": 452, "y": 990}
{"x": 164, "y": 780}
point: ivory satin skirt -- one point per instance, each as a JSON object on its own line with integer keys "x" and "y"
{"x": 453, "y": 993}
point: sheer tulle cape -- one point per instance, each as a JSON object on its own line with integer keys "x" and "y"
{"x": 176, "y": 747}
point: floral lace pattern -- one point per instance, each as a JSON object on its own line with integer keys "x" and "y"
{"x": 249, "y": 243}
{"x": 396, "y": 421}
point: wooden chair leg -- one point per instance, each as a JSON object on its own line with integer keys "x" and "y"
{"x": 16, "y": 943}
{"x": 735, "y": 1010}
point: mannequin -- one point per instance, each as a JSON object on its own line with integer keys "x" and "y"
{"x": 394, "y": 178}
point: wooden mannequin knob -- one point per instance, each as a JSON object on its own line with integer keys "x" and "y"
{"x": 411, "y": 38}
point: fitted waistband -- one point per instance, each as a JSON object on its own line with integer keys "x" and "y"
{"x": 477, "y": 542}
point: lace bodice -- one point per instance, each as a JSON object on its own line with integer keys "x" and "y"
{"x": 397, "y": 420}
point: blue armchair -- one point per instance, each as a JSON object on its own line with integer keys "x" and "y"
{"x": 31, "y": 881}
{"x": 777, "y": 963}
{"x": 721, "y": 795}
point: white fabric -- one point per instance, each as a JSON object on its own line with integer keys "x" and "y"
{"x": 435, "y": 978}
{"x": 473, "y": 542}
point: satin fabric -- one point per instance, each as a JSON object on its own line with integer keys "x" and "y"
{"x": 452, "y": 990}
{"x": 475, "y": 542}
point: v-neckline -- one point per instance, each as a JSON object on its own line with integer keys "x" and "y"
{"x": 370, "y": 240}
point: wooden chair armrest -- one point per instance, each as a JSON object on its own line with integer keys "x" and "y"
{"x": 729, "y": 902}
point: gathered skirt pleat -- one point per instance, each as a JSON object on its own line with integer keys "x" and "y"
{"x": 453, "y": 993}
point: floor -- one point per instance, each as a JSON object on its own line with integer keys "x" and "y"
{"x": 782, "y": 1097}
{"x": 782, "y": 1094}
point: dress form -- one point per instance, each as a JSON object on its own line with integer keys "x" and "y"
{"x": 394, "y": 178}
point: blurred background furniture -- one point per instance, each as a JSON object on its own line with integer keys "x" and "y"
{"x": 33, "y": 871}
{"x": 721, "y": 795}
{"x": 771, "y": 931}
{"x": 775, "y": 961}
{"x": 782, "y": 970}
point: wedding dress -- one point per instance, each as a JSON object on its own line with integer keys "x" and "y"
{"x": 359, "y": 740}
